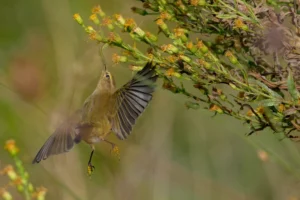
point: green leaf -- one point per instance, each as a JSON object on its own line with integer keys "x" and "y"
{"x": 266, "y": 88}
{"x": 269, "y": 102}
{"x": 292, "y": 86}
{"x": 192, "y": 105}
{"x": 226, "y": 16}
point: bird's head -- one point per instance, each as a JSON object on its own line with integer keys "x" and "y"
{"x": 107, "y": 81}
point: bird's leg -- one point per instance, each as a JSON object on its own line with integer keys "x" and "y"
{"x": 114, "y": 148}
{"x": 90, "y": 166}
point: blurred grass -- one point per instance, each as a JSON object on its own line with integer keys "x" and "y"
{"x": 173, "y": 153}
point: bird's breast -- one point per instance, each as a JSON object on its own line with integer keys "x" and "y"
{"x": 93, "y": 139}
{"x": 96, "y": 132}
{"x": 98, "y": 107}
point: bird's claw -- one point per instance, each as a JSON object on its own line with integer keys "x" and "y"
{"x": 115, "y": 151}
{"x": 90, "y": 168}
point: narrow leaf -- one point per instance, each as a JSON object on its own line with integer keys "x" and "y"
{"x": 192, "y": 105}
{"x": 269, "y": 102}
{"x": 267, "y": 89}
{"x": 292, "y": 86}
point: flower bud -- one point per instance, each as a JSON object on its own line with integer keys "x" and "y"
{"x": 139, "y": 32}
{"x": 163, "y": 26}
{"x": 202, "y": 46}
{"x": 119, "y": 19}
{"x": 99, "y": 11}
{"x": 78, "y": 19}
{"x": 232, "y": 86}
{"x": 114, "y": 37}
{"x": 151, "y": 37}
{"x": 185, "y": 58}
{"x": 214, "y": 107}
{"x": 90, "y": 30}
{"x": 5, "y": 194}
{"x": 135, "y": 68}
{"x": 11, "y": 147}
{"x": 94, "y": 19}
{"x": 231, "y": 57}
{"x": 169, "y": 48}
{"x": 191, "y": 47}
{"x": 205, "y": 64}
{"x": 117, "y": 59}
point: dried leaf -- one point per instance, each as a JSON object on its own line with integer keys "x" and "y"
{"x": 290, "y": 111}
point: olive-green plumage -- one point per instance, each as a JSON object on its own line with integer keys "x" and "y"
{"x": 106, "y": 110}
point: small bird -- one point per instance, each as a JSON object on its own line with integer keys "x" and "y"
{"x": 105, "y": 111}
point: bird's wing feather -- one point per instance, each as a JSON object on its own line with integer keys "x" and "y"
{"x": 130, "y": 101}
{"x": 62, "y": 140}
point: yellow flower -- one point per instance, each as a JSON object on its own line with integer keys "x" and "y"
{"x": 150, "y": 56}
{"x": 260, "y": 110}
{"x": 106, "y": 21}
{"x": 116, "y": 58}
{"x": 238, "y": 23}
{"x": 201, "y": 46}
{"x": 189, "y": 45}
{"x": 93, "y": 17}
{"x": 228, "y": 53}
{"x": 151, "y": 37}
{"x": 115, "y": 151}
{"x": 169, "y": 48}
{"x": 281, "y": 108}
{"x": 214, "y": 107}
{"x": 179, "y": 32}
{"x": 113, "y": 37}
{"x": 160, "y": 22}
{"x": 40, "y": 193}
{"x": 172, "y": 58}
{"x": 5, "y": 194}
{"x": 10, "y": 172}
{"x": 165, "y": 15}
{"x": 96, "y": 9}
{"x": 170, "y": 72}
{"x": 250, "y": 113}
{"x": 194, "y": 2}
{"x": 11, "y": 147}
{"x": 78, "y": 18}
{"x": 129, "y": 23}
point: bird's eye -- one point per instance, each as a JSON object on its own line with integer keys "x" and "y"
{"x": 107, "y": 75}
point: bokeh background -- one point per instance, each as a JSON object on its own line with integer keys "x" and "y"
{"x": 48, "y": 66}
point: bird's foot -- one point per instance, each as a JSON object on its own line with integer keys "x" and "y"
{"x": 90, "y": 168}
{"x": 115, "y": 151}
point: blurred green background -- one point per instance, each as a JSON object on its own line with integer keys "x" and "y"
{"x": 48, "y": 66}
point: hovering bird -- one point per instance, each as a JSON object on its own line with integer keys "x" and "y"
{"x": 105, "y": 111}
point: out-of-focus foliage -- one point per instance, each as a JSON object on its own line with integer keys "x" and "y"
{"x": 219, "y": 42}
{"x": 19, "y": 178}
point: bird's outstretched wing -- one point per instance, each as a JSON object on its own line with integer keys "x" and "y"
{"x": 130, "y": 101}
{"x": 61, "y": 141}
